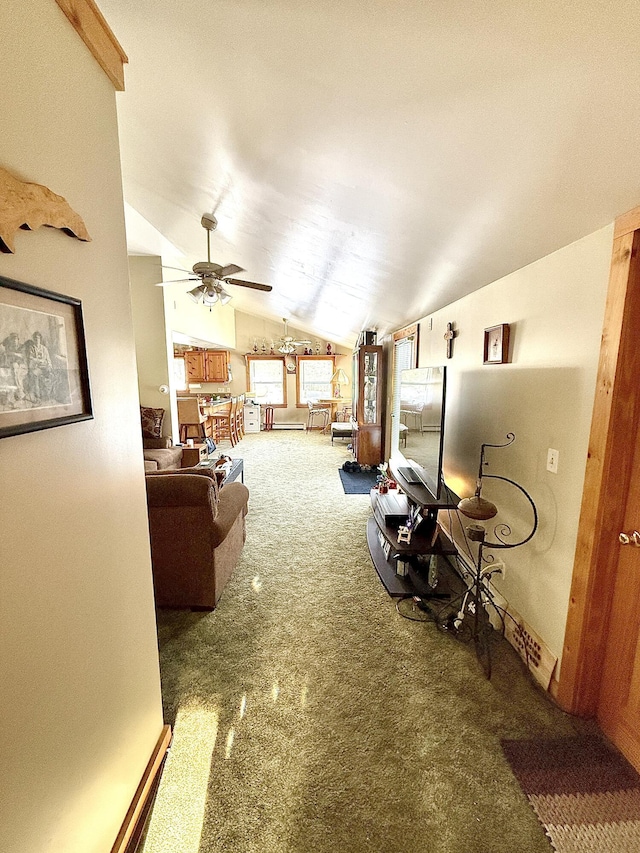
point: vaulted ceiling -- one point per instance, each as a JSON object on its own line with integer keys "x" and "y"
{"x": 374, "y": 160}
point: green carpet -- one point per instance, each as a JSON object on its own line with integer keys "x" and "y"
{"x": 310, "y": 717}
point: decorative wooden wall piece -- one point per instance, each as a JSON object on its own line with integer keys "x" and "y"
{"x": 28, "y": 206}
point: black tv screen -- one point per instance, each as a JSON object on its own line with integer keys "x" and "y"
{"x": 419, "y": 430}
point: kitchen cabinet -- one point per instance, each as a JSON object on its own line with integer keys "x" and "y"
{"x": 207, "y": 365}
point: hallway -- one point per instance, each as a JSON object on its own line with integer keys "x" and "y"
{"x": 310, "y": 716}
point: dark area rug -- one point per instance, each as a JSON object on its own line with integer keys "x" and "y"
{"x": 358, "y": 483}
{"x": 585, "y": 794}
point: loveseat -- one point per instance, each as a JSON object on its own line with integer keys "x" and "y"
{"x": 197, "y": 531}
{"x": 158, "y": 451}
{"x": 160, "y": 454}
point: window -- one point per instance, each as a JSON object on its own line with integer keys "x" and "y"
{"x": 405, "y": 355}
{"x": 314, "y": 378}
{"x": 179, "y": 374}
{"x": 266, "y": 380}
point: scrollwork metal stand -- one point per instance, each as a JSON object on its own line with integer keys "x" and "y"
{"x": 478, "y": 595}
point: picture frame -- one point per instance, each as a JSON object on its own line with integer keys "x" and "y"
{"x": 496, "y": 344}
{"x": 44, "y": 374}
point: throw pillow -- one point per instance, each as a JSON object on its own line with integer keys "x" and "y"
{"x": 151, "y": 422}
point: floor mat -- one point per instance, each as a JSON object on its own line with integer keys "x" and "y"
{"x": 358, "y": 483}
{"x": 585, "y": 794}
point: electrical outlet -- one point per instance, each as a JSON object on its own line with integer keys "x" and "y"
{"x": 499, "y": 568}
{"x": 496, "y": 568}
{"x": 552, "y": 460}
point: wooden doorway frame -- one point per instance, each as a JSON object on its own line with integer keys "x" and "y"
{"x": 614, "y": 425}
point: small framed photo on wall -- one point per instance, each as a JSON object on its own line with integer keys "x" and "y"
{"x": 496, "y": 344}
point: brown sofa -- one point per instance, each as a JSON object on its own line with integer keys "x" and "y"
{"x": 197, "y": 531}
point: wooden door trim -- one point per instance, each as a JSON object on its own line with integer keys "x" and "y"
{"x": 616, "y": 417}
{"x": 626, "y": 223}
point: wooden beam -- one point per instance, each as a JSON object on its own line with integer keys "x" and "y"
{"x": 614, "y": 422}
{"x": 142, "y": 800}
{"x": 91, "y": 26}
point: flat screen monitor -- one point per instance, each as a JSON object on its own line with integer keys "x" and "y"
{"x": 419, "y": 432}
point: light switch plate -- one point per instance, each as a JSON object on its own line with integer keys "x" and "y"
{"x": 552, "y": 460}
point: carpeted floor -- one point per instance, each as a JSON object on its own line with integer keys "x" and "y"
{"x": 310, "y": 716}
{"x": 586, "y": 795}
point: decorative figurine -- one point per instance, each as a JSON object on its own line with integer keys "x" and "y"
{"x": 329, "y": 349}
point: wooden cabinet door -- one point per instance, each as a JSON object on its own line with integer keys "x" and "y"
{"x": 194, "y": 366}
{"x": 217, "y": 366}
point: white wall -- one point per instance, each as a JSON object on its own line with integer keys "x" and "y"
{"x": 555, "y": 308}
{"x": 79, "y": 671}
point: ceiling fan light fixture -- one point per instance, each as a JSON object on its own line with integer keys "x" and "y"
{"x": 197, "y": 293}
{"x": 224, "y": 296}
{"x": 211, "y": 296}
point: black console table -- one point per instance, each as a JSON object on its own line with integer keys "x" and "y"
{"x": 427, "y": 541}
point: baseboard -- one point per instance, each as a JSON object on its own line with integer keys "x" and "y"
{"x": 133, "y": 824}
{"x": 288, "y": 426}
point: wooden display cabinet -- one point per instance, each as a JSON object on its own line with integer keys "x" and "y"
{"x": 368, "y": 414}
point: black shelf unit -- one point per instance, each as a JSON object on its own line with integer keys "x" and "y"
{"x": 427, "y": 540}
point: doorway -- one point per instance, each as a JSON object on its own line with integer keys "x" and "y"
{"x": 600, "y": 673}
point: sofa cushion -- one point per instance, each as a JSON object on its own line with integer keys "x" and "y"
{"x": 151, "y": 421}
{"x": 164, "y": 457}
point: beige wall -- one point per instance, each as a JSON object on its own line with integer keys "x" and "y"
{"x": 195, "y": 320}
{"x": 545, "y": 396}
{"x": 154, "y": 349}
{"x": 250, "y": 328}
{"x": 79, "y": 670}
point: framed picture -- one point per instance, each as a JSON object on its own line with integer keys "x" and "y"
{"x": 496, "y": 344}
{"x": 44, "y": 378}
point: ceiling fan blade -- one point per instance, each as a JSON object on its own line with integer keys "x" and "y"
{"x": 230, "y": 269}
{"x": 179, "y": 269}
{"x": 252, "y": 284}
{"x": 176, "y": 281}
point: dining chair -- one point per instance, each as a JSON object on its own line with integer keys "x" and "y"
{"x": 222, "y": 420}
{"x": 317, "y": 410}
{"x": 191, "y": 419}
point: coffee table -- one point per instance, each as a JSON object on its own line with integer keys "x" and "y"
{"x": 236, "y": 470}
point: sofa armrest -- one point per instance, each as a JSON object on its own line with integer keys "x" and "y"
{"x": 177, "y": 489}
{"x": 156, "y": 443}
{"x": 232, "y": 502}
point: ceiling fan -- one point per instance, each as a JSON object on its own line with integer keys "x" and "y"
{"x": 288, "y": 344}
{"x": 212, "y": 276}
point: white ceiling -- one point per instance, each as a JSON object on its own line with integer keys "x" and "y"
{"x": 374, "y": 160}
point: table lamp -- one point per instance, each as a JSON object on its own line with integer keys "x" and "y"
{"x": 339, "y": 378}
